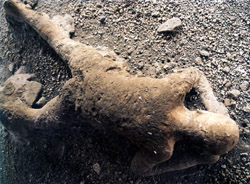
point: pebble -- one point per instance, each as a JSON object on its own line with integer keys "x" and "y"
{"x": 82, "y": 182}
{"x": 226, "y": 69}
{"x": 234, "y": 93}
{"x": 97, "y": 168}
{"x": 244, "y": 86}
{"x": 155, "y": 14}
{"x": 204, "y": 53}
{"x": 244, "y": 154}
{"x": 229, "y": 102}
{"x": 223, "y": 166}
{"x": 228, "y": 84}
{"x": 198, "y": 60}
{"x": 246, "y": 109}
{"x": 169, "y": 25}
{"x": 102, "y": 19}
{"x": 11, "y": 67}
{"x": 229, "y": 56}
{"x": 32, "y": 89}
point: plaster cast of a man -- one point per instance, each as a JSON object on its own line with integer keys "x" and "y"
{"x": 150, "y": 112}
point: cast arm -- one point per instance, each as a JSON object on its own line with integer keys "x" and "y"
{"x": 16, "y": 114}
{"x": 193, "y": 78}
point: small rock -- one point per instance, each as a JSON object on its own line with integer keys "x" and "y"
{"x": 169, "y": 25}
{"x": 167, "y": 66}
{"x": 234, "y": 93}
{"x": 223, "y": 166}
{"x": 102, "y": 19}
{"x": 229, "y": 56}
{"x": 244, "y": 159}
{"x": 204, "y": 53}
{"x": 11, "y": 67}
{"x": 198, "y": 60}
{"x": 246, "y": 109}
{"x": 244, "y": 154}
{"x": 97, "y": 168}
{"x": 244, "y": 86}
{"x": 226, "y": 69}
{"x": 228, "y": 83}
{"x": 229, "y": 102}
{"x": 155, "y": 14}
{"x": 130, "y": 51}
{"x": 82, "y": 182}
{"x": 32, "y": 89}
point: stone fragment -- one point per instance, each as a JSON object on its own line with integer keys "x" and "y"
{"x": 228, "y": 84}
{"x": 102, "y": 19}
{"x": 244, "y": 154}
{"x": 226, "y": 69}
{"x": 11, "y": 67}
{"x": 198, "y": 60}
{"x": 229, "y": 56}
{"x": 32, "y": 89}
{"x": 229, "y": 102}
{"x": 169, "y": 25}
{"x": 97, "y": 168}
{"x": 234, "y": 93}
{"x": 244, "y": 86}
{"x": 246, "y": 109}
{"x": 204, "y": 53}
{"x": 223, "y": 166}
{"x": 155, "y": 14}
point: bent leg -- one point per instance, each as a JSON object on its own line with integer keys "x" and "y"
{"x": 183, "y": 161}
{"x": 145, "y": 160}
{"x": 50, "y": 32}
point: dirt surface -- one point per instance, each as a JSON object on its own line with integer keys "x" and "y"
{"x": 87, "y": 155}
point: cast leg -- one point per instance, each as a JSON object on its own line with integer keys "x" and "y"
{"x": 77, "y": 55}
{"x": 145, "y": 160}
{"x": 183, "y": 161}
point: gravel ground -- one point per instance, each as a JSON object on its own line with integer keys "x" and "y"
{"x": 86, "y": 155}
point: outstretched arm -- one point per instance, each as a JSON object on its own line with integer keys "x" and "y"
{"x": 193, "y": 78}
{"x": 16, "y": 98}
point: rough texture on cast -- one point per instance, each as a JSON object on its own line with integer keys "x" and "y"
{"x": 150, "y": 112}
